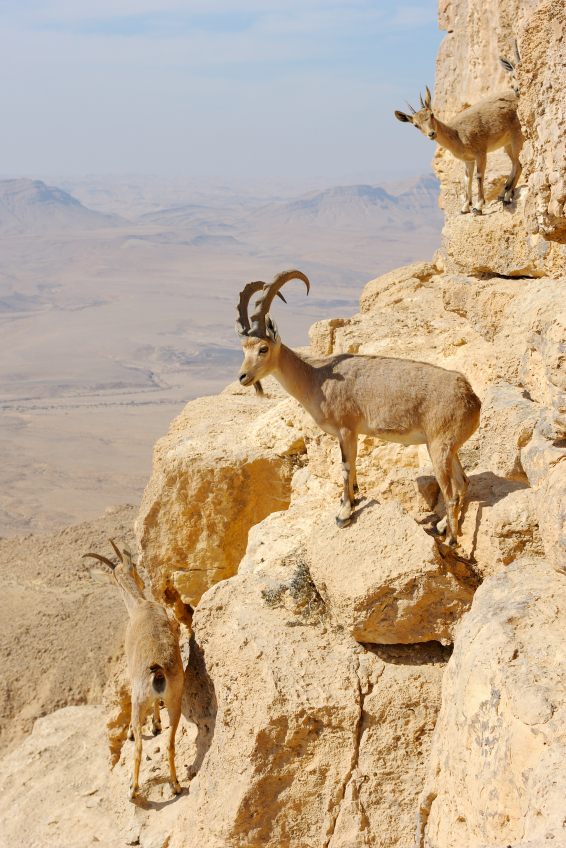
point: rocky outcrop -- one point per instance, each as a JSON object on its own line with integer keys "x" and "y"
{"x": 542, "y": 112}
{"x": 526, "y": 238}
{"x": 497, "y": 767}
{"x": 213, "y": 479}
{"x": 54, "y": 786}
{"x": 299, "y": 725}
{"x": 384, "y": 580}
{"x": 313, "y": 672}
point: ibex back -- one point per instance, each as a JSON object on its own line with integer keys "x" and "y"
{"x": 472, "y": 134}
{"x": 154, "y": 659}
{"x": 398, "y": 400}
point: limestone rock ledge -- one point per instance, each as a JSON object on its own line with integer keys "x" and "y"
{"x": 213, "y": 479}
{"x": 498, "y": 763}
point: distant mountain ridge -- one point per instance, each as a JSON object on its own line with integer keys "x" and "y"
{"x": 409, "y": 203}
{"x": 31, "y": 206}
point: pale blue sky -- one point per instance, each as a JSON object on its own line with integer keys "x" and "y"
{"x": 244, "y": 88}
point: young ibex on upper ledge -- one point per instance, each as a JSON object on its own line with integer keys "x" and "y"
{"x": 154, "y": 658}
{"x": 398, "y": 400}
{"x": 472, "y": 134}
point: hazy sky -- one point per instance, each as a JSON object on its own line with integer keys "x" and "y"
{"x": 213, "y": 87}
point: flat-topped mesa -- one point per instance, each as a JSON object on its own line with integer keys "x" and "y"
{"x": 154, "y": 658}
{"x": 347, "y": 395}
{"x": 472, "y": 134}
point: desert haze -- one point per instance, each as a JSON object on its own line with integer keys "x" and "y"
{"x": 117, "y": 312}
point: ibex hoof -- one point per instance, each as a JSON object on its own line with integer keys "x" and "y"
{"x": 507, "y": 203}
{"x": 176, "y": 787}
{"x": 132, "y": 793}
{"x": 476, "y": 211}
{"x": 465, "y": 212}
{"x": 156, "y": 729}
{"x": 342, "y": 522}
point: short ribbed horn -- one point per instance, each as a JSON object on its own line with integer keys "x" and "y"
{"x": 116, "y": 550}
{"x": 516, "y": 51}
{"x": 413, "y": 111}
{"x": 264, "y": 301}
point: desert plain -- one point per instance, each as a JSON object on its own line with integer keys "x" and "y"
{"x": 117, "y": 306}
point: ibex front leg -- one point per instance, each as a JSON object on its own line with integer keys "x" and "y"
{"x": 349, "y": 450}
{"x": 481, "y": 162}
{"x": 469, "y": 182}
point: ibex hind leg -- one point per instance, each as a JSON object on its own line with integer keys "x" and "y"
{"x": 453, "y": 485}
{"x": 508, "y": 190}
{"x": 156, "y": 721}
{"x": 138, "y": 715}
{"x": 174, "y": 711}
{"x": 349, "y": 450}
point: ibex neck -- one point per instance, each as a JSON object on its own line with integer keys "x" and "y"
{"x": 448, "y": 137}
{"x": 295, "y": 375}
{"x": 130, "y": 591}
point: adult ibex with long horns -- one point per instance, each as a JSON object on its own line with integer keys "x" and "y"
{"x": 478, "y": 130}
{"x": 398, "y": 400}
{"x": 154, "y": 658}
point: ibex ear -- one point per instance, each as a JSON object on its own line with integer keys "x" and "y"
{"x": 428, "y": 98}
{"x": 506, "y": 64}
{"x": 101, "y": 576}
{"x": 240, "y": 330}
{"x": 271, "y": 328}
{"x": 402, "y": 116}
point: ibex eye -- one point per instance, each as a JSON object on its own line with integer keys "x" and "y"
{"x": 263, "y": 349}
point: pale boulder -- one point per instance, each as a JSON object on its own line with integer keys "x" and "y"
{"x": 211, "y": 483}
{"x": 508, "y": 419}
{"x": 285, "y": 723}
{"x": 410, "y": 278}
{"x": 545, "y": 464}
{"x": 383, "y": 578}
{"x": 542, "y": 113}
{"x": 498, "y": 766}
{"x": 498, "y": 242}
{"x": 54, "y": 786}
{"x": 306, "y": 738}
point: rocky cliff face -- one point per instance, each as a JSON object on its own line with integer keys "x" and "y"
{"x": 316, "y": 673}
{"x": 528, "y": 237}
{"x": 369, "y": 686}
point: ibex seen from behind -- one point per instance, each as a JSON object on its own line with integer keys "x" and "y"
{"x": 472, "y": 134}
{"x": 398, "y": 400}
{"x": 154, "y": 658}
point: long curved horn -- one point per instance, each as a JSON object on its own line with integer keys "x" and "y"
{"x": 516, "y": 51}
{"x": 413, "y": 112}
{"x": 264, "y": 301}
{"x": 101, "y": 559}
{"x": 243, "y": 322}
